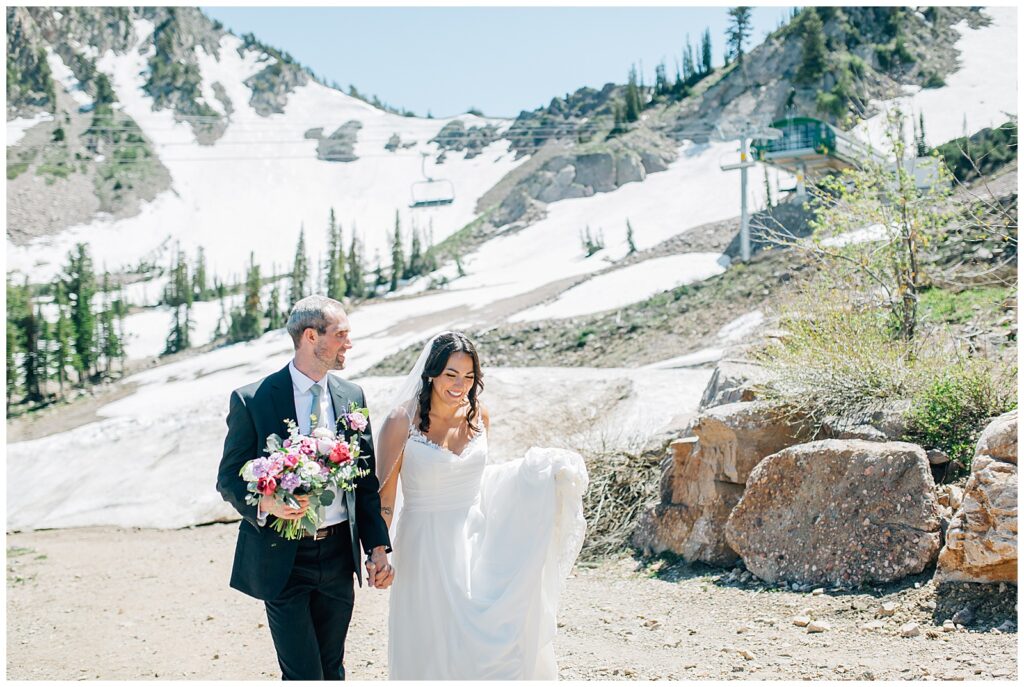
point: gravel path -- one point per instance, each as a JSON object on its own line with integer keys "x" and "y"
{"x": 144, "y": 604}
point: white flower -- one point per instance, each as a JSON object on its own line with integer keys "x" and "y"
{"x": 325, "y": 445}
{"x": 322, "y": 433}
{"x": 247, "y": 473}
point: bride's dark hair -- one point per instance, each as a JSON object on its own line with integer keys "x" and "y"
{"x": 443, "y": 347}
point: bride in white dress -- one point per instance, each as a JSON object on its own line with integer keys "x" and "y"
{"x": 480, "y": 548}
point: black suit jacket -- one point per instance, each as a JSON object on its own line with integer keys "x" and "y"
{"x": 263, "y": 558}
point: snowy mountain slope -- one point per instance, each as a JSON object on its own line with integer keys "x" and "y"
{"x": 261, "y": 181}
{"x": 138, "y": 439}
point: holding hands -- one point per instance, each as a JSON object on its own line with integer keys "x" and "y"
{"x": 379, "y": 572}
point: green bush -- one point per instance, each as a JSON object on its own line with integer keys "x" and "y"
{"x": 988, "y": 149}
{"x": 950, "y": 413}
{"x": 16, "y": 168}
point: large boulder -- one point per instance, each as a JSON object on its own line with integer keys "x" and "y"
{"x": 887, "y": 422}
{"x": 981, "y": 540}
{"x": 839, "y": 512}
{"x": 596, "y": 170}
{"x": 703, "y": 480}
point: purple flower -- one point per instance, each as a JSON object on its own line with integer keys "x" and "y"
{"x": 290, "y": 481}
{"x": 260, "y": 467}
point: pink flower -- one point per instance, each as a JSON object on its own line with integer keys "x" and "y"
{"x": 266, "y": 485}
{"x": 325, "y": 446}
{"x": 287, "y": 443}
{"x": 291, "y": 460}
{"x": 356, "y": 421}
{"x": 308, "y": 447}
{"x": 340, "y": 454}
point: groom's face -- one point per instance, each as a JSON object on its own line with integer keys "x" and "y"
{"x": 333, "y": 344}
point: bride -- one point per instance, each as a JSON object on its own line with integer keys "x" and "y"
{"x": 482, "y": 547}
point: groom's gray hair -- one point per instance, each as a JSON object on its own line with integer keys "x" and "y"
{"x": 312, "y": 312}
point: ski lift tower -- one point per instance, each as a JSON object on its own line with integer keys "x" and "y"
{"x": 744, "y": 132}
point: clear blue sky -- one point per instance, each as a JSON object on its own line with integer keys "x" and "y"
{"x": 500, "y": 60}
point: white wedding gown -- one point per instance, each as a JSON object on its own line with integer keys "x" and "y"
{"x": 480, "y": 553}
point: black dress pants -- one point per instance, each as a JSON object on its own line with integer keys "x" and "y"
{"x": 309, "y": 619}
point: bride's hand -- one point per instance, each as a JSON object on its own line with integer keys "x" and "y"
{"x": 379, "y": 573}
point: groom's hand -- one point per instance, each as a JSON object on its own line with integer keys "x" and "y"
{"x": 283, "y": 510}
{"x": 379, "y": 572}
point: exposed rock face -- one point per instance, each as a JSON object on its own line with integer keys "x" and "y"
{"x": 456, "y": 137}
{"x": 705, "y": 479}
{"x": 838, "y": 512}
{"x": 339, "y": 146}
{"x": 981, "y": 541}
{"x": 733, "y": 380}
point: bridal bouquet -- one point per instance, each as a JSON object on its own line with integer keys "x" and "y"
{"x": 304, "y": 465}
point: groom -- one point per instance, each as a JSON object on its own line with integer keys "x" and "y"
{"x": 306, "y": 584}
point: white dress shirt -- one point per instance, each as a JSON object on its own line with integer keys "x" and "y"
{"x": 301, "y": 388}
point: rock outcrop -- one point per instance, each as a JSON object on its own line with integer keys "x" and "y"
{"x": 981, "y": 540}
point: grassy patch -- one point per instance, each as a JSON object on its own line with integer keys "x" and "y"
{"x": 941, "y": 305}
{"x": 14, "y": 170}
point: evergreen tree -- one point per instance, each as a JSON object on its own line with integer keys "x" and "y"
{"x": 178, "y": 295}
{"x": 247, "y": 321}
{"x": 812, "y": 34}
{"x": 200, "y": 290}
{"x": 922, "y": 145}
{"x": 738, "y": 31}
{"x": 12, "y": 357}
{"x": 397, "y": 255}
{"x": 81, "y": 287}
{"x": 275, "y": 317}
{"x": 618, "y": 118}
{"x": 113, "y": 348}
{"x": 633, "y": 106}
{"x": 379, "y": 280}
{"x": 661, "y": 86}
{"x": 336, "y": 287}
{"x": 356, "y": 280}
{"x": 30, "y": 362}
{"x": 42, "y": 352}
{"x": 689, "y": 67}
{"x": 630, "y": 240}
{"x": 705, "y": 52}
{"x": 300, "y": 272}
{"x": 414, "y": 268}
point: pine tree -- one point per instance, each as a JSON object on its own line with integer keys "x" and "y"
{"x": 689, "y": 68}
{"x": 705, "y": 52}
{"x": 200, "y": 290}
{"x": 247, "y": 321}
{"x": 336, "y": 287}
{"x": 633, "y": 106}
{"x": 356, "y": 280}
{"x": 379, "y": 280}
{"x": 112, "y": 342}
{"x": 178, "y": 295}
{"x": 397, "y": 255}
{"x": 12, "y": 358}
{"x": 922, "y": 145}
{"x": 300, "y": 272}
{"x": 812, "y": 33}
{"x": 661, "y": 87}
{"x": 414, "y": 268}
{"x": 42, "y": 352}
{"x": 738, "y": 31}
{"x": 30, "y": 362}
{"x": 274, "y": 315}
{"x": 630, "y": 242}
{"x": 81, "y": 287}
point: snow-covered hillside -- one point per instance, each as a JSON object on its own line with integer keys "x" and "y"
{"x": 261, "y": 181}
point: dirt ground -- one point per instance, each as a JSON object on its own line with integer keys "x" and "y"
{"x": 115, "y": 604}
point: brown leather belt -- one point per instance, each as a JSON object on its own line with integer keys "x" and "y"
{"x": 325, "y": 532}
